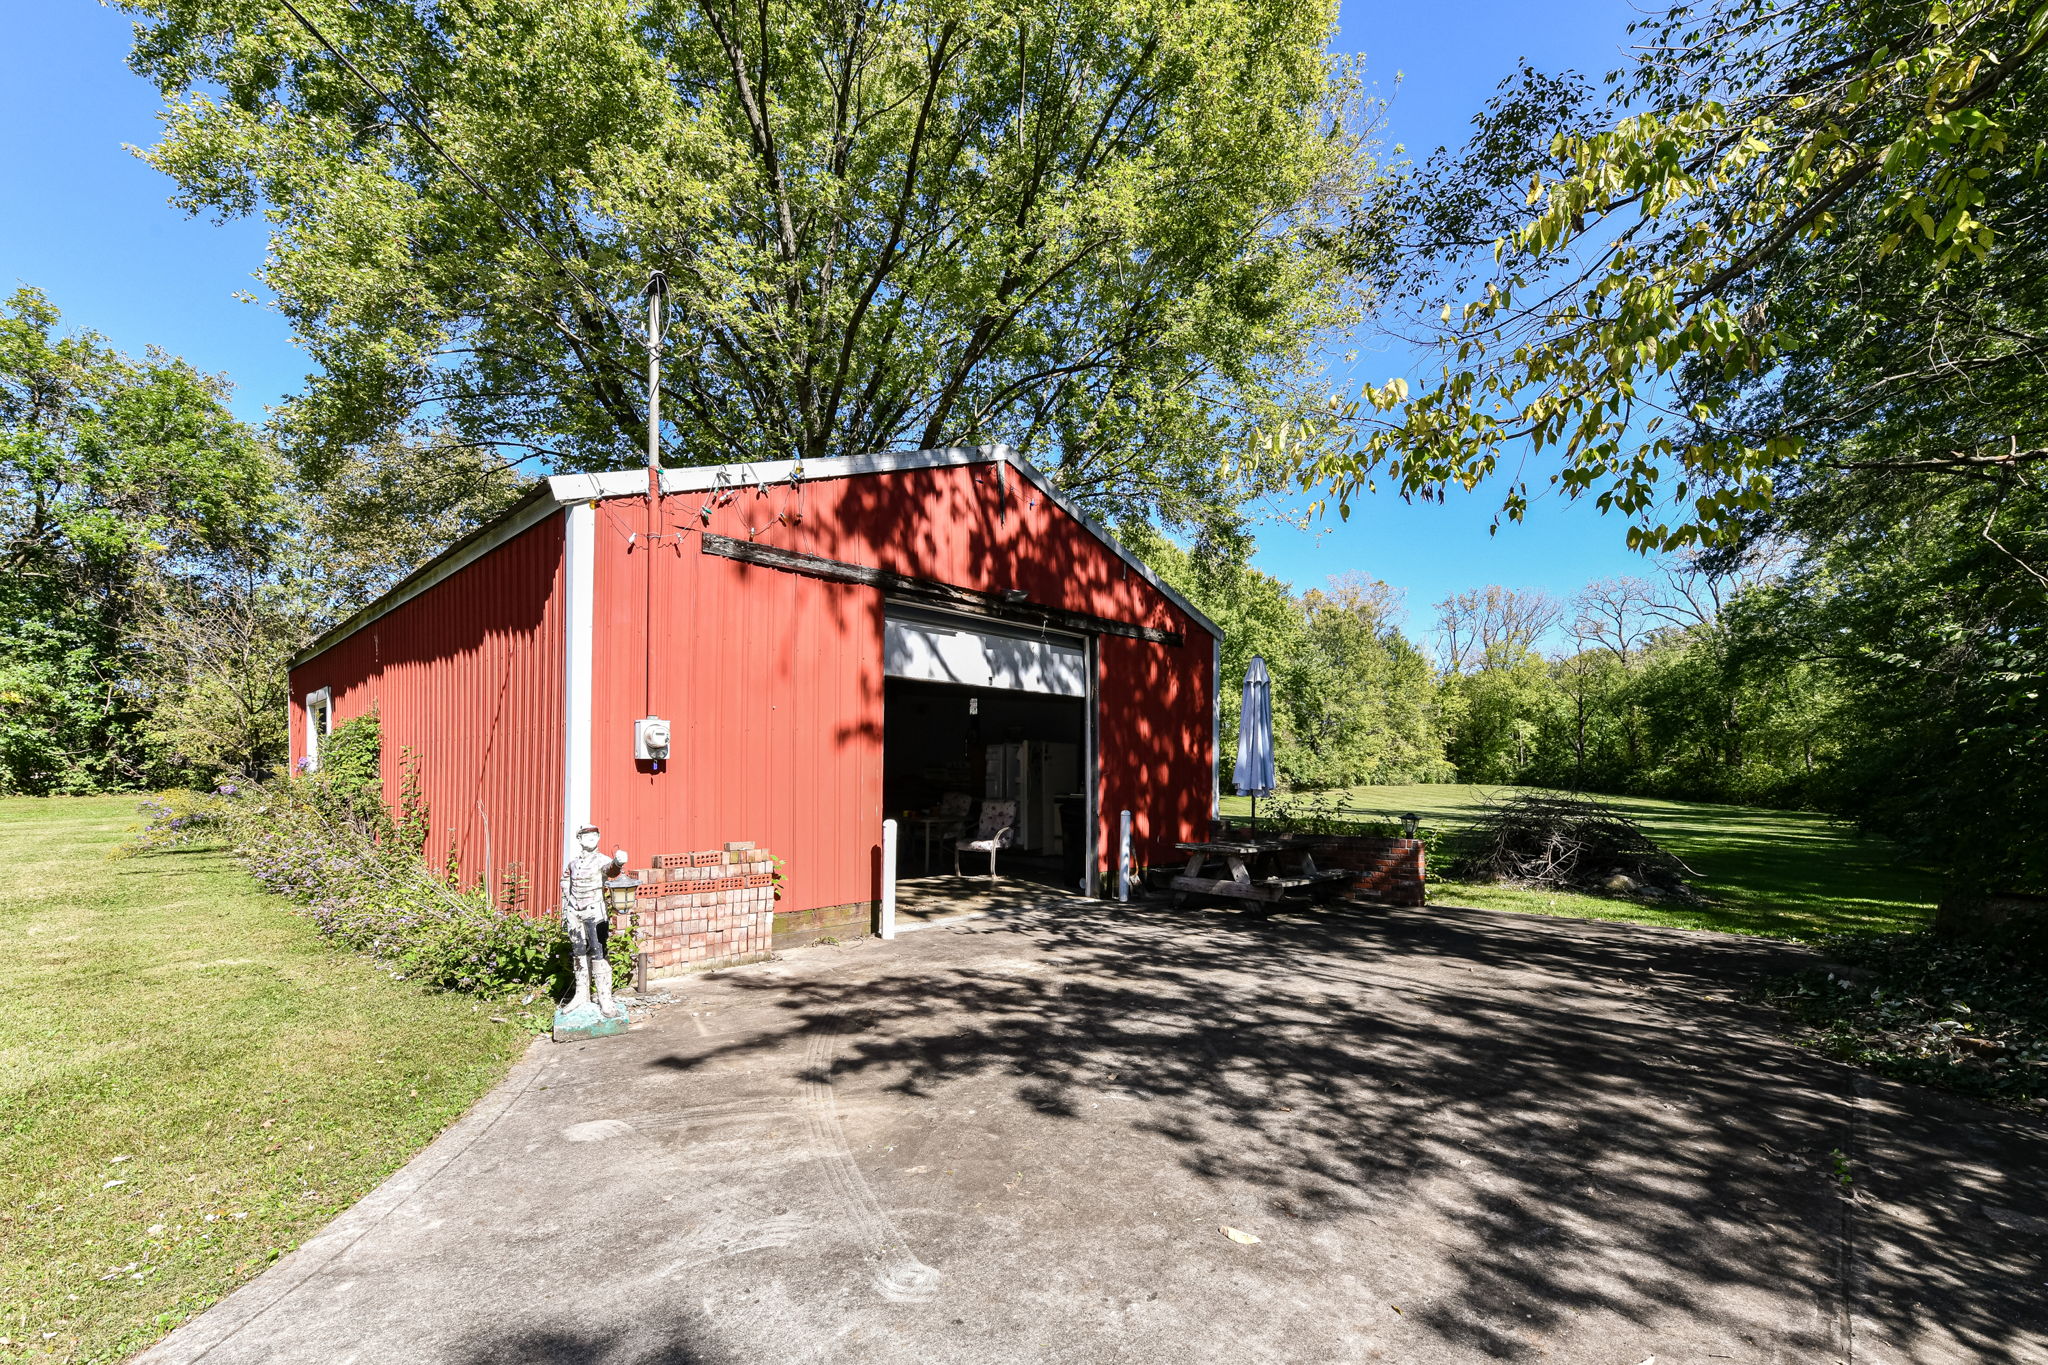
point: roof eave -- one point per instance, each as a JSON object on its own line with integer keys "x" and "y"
{"x": 559, "y": 490}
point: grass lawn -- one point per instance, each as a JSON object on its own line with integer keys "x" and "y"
{"x": 191, "y": 1080}
{"x": 1787, "y": 874}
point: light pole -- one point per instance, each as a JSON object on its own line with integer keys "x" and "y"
{"x": 657, "y": 290}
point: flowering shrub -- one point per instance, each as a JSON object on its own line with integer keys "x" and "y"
{"x": 332, "y": 848}
{"x": 179, "y": 819}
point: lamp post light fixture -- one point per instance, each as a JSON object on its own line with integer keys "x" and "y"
{"x": 618, "y": 900}
{"x": 1411, "y": 823}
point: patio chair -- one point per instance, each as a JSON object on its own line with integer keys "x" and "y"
{"x": 998, "y": 830}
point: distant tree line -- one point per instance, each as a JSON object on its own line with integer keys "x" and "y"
{"x": 162, "y": 562}
{"x": 1354, "y": 699}
{"x": 1844, "y": 678}
{"x": 1677, "y": 686}
{"x": 1654, "y": 687}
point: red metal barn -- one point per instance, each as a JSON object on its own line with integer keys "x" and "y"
{"x": 831, "y": 642}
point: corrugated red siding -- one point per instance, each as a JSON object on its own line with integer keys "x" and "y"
{"x": 1155, "y": 734}
{"x": 468, "y": 675}
{"x": 774, "y": 681}
{"x": 773, "y": 685}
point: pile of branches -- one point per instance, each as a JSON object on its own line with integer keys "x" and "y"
{"x": 1563, "y": 841}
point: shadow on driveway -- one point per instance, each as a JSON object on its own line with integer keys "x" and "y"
{"x": 1458, "y": 1135}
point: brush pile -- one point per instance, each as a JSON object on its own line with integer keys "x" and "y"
{"x": 1566, "y": 842}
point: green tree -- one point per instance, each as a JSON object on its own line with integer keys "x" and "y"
{"x": 1501, "y": 707}
{"x": 381, "y": 510}
{"x": 1104, "y": 233}
{"x": 1769, "y": 190}
{"x": 1583, "y": 737}
{"x": 1936, "y": 648}
{"x": 1359, "y": 702}
{"x": 1353, "y": 699}
{"x": 120, "y": 479}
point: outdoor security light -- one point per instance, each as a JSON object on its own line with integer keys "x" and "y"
{"x": 1410, "y": 823}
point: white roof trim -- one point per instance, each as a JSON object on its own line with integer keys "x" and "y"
{"x": 560, "y": 490}
{"x": 632, "y": 483}
{"x": 627, "y": 483}
{"x": 529, "y": 512}
{"x": 1067, "y": 505}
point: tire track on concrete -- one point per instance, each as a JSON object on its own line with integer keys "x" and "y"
{"x": 897, "y": 1273}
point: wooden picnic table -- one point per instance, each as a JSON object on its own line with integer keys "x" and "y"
{"x": 1256, "y": 871}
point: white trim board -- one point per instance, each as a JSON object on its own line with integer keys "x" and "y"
{"x": 529, "y": 512}
{"x": 322, "y": 697}
{"x": 579, "y": 617}
{"x": 972, "y": 652}
{"x": 561, "y": 490}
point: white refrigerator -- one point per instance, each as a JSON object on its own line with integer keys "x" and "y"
{"x": 1032, "y": 772}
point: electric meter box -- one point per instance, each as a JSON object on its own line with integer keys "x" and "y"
{"x": 650, "y": 738}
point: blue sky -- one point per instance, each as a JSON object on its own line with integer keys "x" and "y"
{"x": 89, "y": 224}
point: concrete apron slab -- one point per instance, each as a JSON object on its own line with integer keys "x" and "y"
{"x": 1458, "y": 1135}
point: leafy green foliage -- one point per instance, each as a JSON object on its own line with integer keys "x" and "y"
{"x": 1776, "y": 176}
{"x": 1359, "y": 702}
{"x": 177, "y": 819}
{"x": 1500, "y": 709}
{"x": 1708, "y": 711}
{"x": 351, "y": 760}
{"x": 326, "y": 841}
{"x": 1962, "y": 1015}
{"x": 1102, "y": 232}
{"x": 162, "y": 568}
{"x": 1940, "y": 647}
{"x": 122, "y": 482}
{"x": 1353, "y": 699}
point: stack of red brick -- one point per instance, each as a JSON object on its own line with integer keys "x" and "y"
{"x": 699, "y": 910}
{"x": 1390, "y": 870}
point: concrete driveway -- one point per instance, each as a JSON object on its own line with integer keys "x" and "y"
{"x": 1458, "y": 1136}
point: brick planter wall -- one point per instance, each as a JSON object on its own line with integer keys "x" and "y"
{"x": 1392, "y": 869}
{"x": 695, "y": 911}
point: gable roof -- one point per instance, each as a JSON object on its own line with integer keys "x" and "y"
{"x": 556, "y": 491}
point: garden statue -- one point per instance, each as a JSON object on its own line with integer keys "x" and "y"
{"x": 585, "y": 917}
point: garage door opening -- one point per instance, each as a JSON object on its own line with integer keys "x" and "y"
{"x": 980, "y": 716}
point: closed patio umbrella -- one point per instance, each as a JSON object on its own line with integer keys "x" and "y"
{"x": 1254, "y": 775}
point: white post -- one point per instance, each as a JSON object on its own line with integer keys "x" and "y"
{"x": 657, "y": 287}
{"x": 579, "y": 589}
{"x": 887, "y": 927}
{"x": 1123, "y": 860}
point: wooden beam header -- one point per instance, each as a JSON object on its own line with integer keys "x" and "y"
{"x": 930, "y": 592}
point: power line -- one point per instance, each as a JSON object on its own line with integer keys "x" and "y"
{"x": 426, "y": 134}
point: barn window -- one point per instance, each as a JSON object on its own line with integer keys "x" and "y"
{"x": 319, "y": 721}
